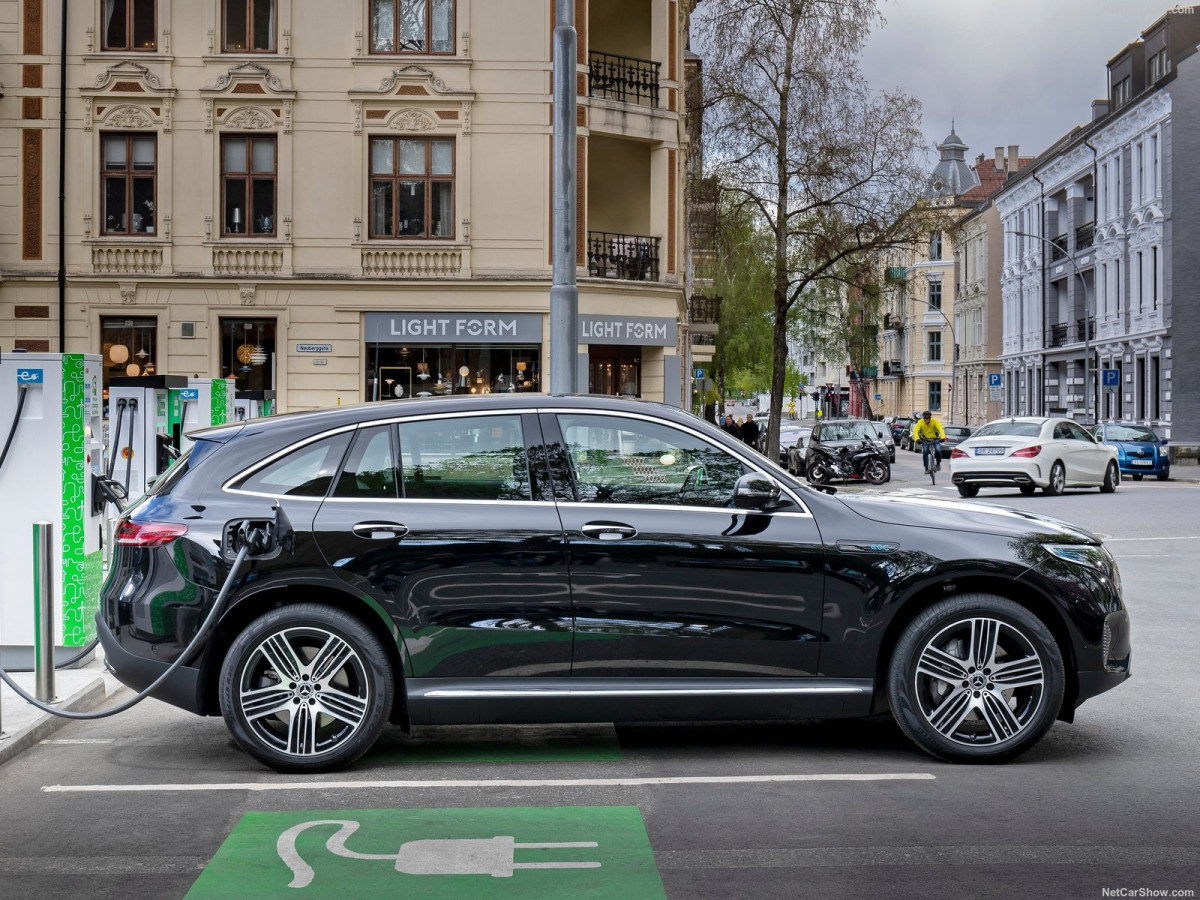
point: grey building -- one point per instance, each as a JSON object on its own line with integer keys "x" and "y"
{"x": 1096, "y": 270}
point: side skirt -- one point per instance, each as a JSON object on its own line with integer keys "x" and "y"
{"x": 469, "y": 701}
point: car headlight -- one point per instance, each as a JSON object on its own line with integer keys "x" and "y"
{"x": 1092, "y": 556}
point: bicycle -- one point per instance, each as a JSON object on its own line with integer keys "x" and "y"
{"x": 931, "y": 454}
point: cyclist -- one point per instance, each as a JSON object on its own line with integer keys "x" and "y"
{"x": 930, "y": 433}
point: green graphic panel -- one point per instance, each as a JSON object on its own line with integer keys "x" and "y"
{"x": 594, "y": 852}
{"x": 220, "y": 392}
{"x": 78, "y": 605}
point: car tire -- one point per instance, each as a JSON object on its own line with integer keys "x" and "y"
{"x": 1137, "y": 476}
{"x": 1028, "y": 490}
{"x": 983, "y": 721}
{"x": 1058, "y": 480}
{"x": 347, "y": 706}
{"x": 968, "y": 490}
{"x": 1163, "y": 476}
{"x": 1112, "y": 477}
{"x": 892, "y": 458}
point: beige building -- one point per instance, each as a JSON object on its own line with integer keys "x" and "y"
{"x": 342, "y": 207}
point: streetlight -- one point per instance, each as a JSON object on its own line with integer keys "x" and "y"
{"x": 1087, "y": 320}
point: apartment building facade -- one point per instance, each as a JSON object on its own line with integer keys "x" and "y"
{"x": 1093, "y": 276}
{"x": 342, "y": 207}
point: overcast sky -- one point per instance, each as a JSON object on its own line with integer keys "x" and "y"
{"x": 1006, "y": 71}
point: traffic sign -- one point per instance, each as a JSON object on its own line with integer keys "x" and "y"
{"x": 995, "y": 380}
{"x": 699, "y": 374}
{"x": 878, "y": 397}
{"x": 1111, "y": 380}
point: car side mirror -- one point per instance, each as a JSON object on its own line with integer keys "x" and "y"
{"x": 755, "y": 491}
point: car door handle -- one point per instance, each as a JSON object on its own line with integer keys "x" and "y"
{"x": 379, "y": 531}
{"x": 608, "y": 531}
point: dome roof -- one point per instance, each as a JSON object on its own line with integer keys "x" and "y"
{"x": 953, "y": 176}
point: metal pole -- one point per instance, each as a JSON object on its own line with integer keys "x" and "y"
{"x": 43, "y": 614}
{"x": 564, "y": 293}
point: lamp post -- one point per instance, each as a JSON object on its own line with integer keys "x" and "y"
{"x": 1087, "y": 320}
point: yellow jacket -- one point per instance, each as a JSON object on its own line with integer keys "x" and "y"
{"x": 929, "y": 432}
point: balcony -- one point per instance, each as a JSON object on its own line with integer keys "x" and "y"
{"x": 626, "y": 79}
{"x": 1085, "y": 236}
{"x": 895, "y": 273}
{"x": 1061, "y": 334}
{"x": 630, "y": 257}
{"x": 892, "y": 322}
{"x": 705, "y": 311}
{"x": 1059, "y": 250}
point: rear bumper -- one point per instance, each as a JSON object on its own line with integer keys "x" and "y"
{"x": 182, "y": 689}
{"x": 994, "y": 479}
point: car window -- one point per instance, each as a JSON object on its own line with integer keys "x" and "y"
{"x": 958, "y": 432}
{"x": 307, "y": 471}
{"x": 1062, "y": 432}
{"x": 370, "y": 469}
{"x": 469, "y": 458}
{"x": 619, "y": 460}
{"x": 1127, "y": 433}
{"x": 1078, "y": 434}
{"x": 1009, "y": 429}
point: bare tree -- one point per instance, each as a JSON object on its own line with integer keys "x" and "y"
{"x": 834, "y": 168}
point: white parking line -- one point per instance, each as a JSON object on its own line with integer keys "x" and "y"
{"x": 473, "y": 783}
{"x": 78, "y": 741}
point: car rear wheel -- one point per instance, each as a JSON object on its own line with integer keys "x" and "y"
{"x": 306, "y": 688}
{"x": 1111, "y": 479}
{"x": 976, "y": 678}
{"x": 1028, "y": 490}
{"x": 968, "y": 490}
{"x": 1058, "y": 480}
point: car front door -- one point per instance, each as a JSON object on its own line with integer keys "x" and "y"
{"x": 1092, "y": 456}
{"x": 444, "y": 524}
{"x": 668, "y": 578}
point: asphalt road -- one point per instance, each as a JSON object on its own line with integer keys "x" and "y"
{"x": 139, "y": 805}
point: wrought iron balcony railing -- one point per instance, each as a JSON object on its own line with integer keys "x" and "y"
{"x": 633, "y": 257}
{"x": 1059, "y": 250}
{"x": 705, "y": 310}
{"x": 623, "y": 78}
{"x": 1085, "y": 236}
{"x": 1060, "y": 334}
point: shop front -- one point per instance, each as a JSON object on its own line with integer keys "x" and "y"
{"x": 628, "y": 356}
{"x": 424, "y": 354}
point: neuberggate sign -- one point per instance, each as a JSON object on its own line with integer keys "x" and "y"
{"x": 453, "y": 328}
{"x": 636, "y": 330}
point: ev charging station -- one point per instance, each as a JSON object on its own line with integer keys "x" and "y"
{"x": 253, "y": 405}
{"x": 203, "y": 403}
{"x": 144, "y": 424}
{"x": 51, "y": 405}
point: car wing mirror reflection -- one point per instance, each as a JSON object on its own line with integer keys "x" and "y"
{"x": 755, "y": 491}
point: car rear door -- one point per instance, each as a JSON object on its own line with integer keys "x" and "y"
{"x": 668, "y": 579}
{"x": 444, "y": 523}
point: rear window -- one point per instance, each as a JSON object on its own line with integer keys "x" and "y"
{"x": 957, "y": 432}
{"x": 176, "y": 470}
{"x": 1009, "y": 429}
{"x": 307, "y": 471}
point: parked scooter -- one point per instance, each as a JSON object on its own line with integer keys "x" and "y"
{"x": 848, "y": 464}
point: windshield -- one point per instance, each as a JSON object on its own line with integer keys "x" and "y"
{"x": 1010, "y": 429}
{"x": 1129, "y": 433}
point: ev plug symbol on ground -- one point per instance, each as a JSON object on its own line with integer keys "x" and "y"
{"x": 480, "y": 856}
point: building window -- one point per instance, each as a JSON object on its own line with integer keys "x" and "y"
{"x": 1154, "y": 277}
{"x": 1157, "y": 66}
{"x": 935, "y": 396}
{"x": 935, "y": 245}
{"x": 1121, "y": 93}
{"x": 248, "y": 353}
{"x": 128, "y": 347}
{"x": 412, "y": 26}
{"x": 249, "y": 26}
{"x": 615, "y": 370}
{"x": 248, "y": 167}
{"x": 401, "y": 372}
{"x": 130, "y": 166}
{"x": 935, "y": 294}
{"x": 412, "y": 188}
{"x": 129, "y": 25}
{"x": 935, "y": 346}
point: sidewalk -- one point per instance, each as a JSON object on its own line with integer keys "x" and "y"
{"x": 22, "y": 726}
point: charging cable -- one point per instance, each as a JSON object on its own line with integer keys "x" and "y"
{"x": 256, "y": 540}
{"x": 22, "y": 390}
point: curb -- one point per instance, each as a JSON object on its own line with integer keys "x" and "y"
{"x": 91, "y": 695}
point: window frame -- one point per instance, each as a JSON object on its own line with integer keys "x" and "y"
{"x": 130, "y": 46}
{"x": 428, "y": 179}
{"x": 396, "y": 43}
{"x": 249, "y": 176}
{"x": 934, "y": 396}
{"x": 129, "y": 174}
{"x": 934, "y": 342}
{"x": 249, "y": 48}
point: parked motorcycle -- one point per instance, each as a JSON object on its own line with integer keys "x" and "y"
{"x": 860, "y": 463}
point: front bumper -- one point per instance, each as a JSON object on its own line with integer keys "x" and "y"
{"x": 182, "y": 689}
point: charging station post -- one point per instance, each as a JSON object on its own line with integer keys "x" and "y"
{"x": 253, "y": 405}
{"x": 147, "y": 408}
{"x": 203, "y": 403}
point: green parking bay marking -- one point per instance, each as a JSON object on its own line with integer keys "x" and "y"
{"x": 597, "y": 852}
{"x": 498, "y": 744}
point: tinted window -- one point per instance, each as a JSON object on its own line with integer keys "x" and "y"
{"x": 618, "y": 460}
{"x": 305, "y": 472}
{"x": 1128, "y": 433}
{"x": 1010, "y": 429}
{"x": 952, "y": 431}
{"x": 1075, "y": 433}
{"x": 472, "y": 458}
{"x": 370, "y": 469}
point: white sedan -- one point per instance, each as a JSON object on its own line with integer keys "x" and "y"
{"x": 1031, "y": 453}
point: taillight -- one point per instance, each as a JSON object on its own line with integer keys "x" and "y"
{"x": 149, "y": 534}
{"x": 958, "y": 454}
{"x": 1028, "y": 452}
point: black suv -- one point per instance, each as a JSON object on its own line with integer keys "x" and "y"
{"x": 531, "y": 558}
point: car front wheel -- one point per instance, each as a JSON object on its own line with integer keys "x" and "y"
{"x": 976, "y": 678}
{"x": 306, "y": 688}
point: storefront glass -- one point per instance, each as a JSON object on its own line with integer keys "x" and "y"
{"x": 404, "y": 371}
{"x": 248, "y": 353}
{"x": 129, "y": 346}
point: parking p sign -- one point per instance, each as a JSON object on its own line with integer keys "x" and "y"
{"x": 1111, "y": 379}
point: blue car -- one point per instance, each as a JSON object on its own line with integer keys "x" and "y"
{"x": 1139, "y": 450}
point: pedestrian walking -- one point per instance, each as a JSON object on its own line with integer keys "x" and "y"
{"x": 731, "y": 426}
{"x": 750, "y": 431}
